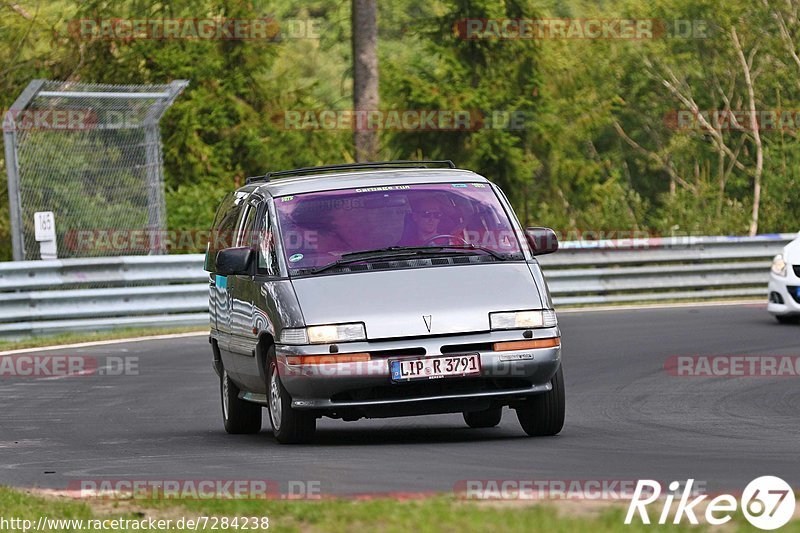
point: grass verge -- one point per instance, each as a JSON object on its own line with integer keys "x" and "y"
{"x": 439, "y": 513}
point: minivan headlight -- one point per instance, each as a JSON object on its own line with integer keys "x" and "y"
{"x": 326, "y": 334}
{"x": 545, "y": 318}
{"x": 779, "y": 265}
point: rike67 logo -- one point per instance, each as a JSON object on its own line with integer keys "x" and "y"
{"x": 767, "y": 502}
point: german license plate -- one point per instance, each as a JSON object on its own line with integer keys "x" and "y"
{"x": 435, "y": 367}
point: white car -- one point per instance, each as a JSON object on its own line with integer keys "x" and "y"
{"x": 784, "y": 284}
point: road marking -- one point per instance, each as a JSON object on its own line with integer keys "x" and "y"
{"x": 76, "y": 374}
{"x": 106, "y": 342}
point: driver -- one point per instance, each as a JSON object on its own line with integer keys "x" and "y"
{"x": 426, "y": 215}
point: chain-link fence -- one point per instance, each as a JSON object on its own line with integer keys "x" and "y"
{"x": 91, "y": 154}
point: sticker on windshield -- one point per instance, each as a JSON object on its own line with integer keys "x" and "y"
{"x": 385, "y": 188}
{"x": 295, "y": 258}
{"x": 460, "y": 185}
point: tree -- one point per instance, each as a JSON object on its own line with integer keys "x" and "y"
{"x": 365, "y": 75}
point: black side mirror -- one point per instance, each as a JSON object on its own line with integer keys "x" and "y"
{"x": 232, "y": 261}
{"x": 542, "y": 240}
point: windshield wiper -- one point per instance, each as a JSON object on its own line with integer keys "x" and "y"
{"x": 367, "y": 255}
{"x": 426, "y": 250}
{"x": 468, "y": 247}
{"x": 401, "y": 251}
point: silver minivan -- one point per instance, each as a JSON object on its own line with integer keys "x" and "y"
{"x": 378, "y": 290}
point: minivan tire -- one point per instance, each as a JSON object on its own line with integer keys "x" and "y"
{"x": 290, "y": 426}
{"x": 543, "y": 414}
{"x": 239, "y": 416}
{"x": 483, "y": 419}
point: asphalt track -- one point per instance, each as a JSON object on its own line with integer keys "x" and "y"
{"x": 627, "y": 418}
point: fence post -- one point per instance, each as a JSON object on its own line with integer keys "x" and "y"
{"x": 156, "y": 209}
{"x": 12, "y": 166}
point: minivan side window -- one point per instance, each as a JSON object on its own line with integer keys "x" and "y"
{"x": 244, "y": 231}
{"x": 225, "y": 226}
{"x": 218, "y": 239}
{"x": 226, "y": 222}
{"x": 267, "y": 255}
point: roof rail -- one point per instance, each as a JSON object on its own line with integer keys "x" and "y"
{"x": 351, "y": 166}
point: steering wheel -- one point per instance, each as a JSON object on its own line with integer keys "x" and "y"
{"x": 448, "y": 236}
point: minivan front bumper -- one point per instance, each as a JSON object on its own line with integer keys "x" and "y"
{"x": 366, "y": 387}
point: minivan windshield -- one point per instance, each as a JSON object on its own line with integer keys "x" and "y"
{"x": 320, "y": 229}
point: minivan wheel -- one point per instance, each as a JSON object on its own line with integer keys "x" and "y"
{"x": 239, "y": 416}
{"x": 543, "y": 414}
{"x": 788, "y": 319}
{"x": 290, "y": 426}
{"x": 483, "y": 419}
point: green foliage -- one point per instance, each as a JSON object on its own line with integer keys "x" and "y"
{"x": 437, "y": 69}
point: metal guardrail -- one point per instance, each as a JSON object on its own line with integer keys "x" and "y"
{"x": 665, "y": 269}
{"x": 90, "y": 294}
{"x": 38, "y": 297}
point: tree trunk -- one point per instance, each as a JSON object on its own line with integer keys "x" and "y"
{"x": 756, "y": 135}
{"x": 365, "y": 76}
